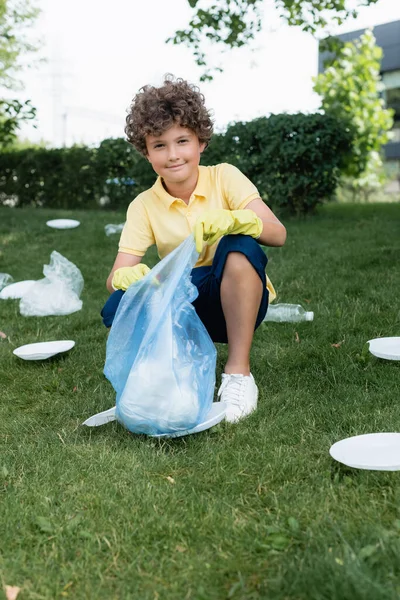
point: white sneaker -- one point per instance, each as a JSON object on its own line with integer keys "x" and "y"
{"x": 240, "y": 394}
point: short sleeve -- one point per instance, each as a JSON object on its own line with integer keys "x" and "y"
{"x": 237, "y": 188}
{"x": 137, "y": 234}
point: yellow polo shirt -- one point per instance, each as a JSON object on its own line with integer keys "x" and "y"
{"x": 155, "y": 217}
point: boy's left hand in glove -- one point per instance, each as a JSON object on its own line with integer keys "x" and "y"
{"x": 213, "y": 224}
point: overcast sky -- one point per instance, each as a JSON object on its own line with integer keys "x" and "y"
{"x": 99, "y": 53}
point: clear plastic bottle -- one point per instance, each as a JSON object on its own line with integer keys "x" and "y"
{"x": 288, "y": 313}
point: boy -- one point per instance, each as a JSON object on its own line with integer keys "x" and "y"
{"x": 171, "y": 127}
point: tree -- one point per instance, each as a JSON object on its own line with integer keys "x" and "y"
{"x": 235, "y": 23}
{"x": 12, "y": 114}
{"x": 15, "y": 17}
{"x": 350, "y": 90}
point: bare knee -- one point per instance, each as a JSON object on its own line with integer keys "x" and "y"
{"x": 237, "y": 264}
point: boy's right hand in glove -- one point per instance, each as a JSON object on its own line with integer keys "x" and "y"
{"x": 125, "y": 276}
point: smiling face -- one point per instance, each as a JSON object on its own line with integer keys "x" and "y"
{"x": 175, "y": 156}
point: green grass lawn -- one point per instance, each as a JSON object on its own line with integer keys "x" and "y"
{"x": 257, "y": 510}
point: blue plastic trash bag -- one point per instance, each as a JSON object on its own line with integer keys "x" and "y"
{"x": 160, "y": 358}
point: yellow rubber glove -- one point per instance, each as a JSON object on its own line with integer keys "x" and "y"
{"x": 213, "y": 224}
{"x": 125, "y": 276}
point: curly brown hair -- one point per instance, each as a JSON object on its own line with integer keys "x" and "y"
{"x": 154, "y": 110}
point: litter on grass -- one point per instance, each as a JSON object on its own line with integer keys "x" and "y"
{"x": 16, "y": 290}
{"x": 58, "y": 293}
{"x": 372, "y": 451}
{"x": 112, "y": 228}
{"x": 386, "y": 347}
{"x": 43, "y": 350}
{"x": 63, "y": 223}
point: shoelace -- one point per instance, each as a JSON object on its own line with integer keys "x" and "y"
{"x": 235, "y": 383}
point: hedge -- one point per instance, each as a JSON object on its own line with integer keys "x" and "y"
{"x": 294, "y": 160}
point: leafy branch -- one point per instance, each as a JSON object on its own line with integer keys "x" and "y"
{"x": 235, "y": 23}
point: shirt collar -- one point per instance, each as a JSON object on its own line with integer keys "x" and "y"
{"x": 200, "y": 189}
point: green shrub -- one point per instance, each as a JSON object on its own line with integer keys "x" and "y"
{"x": 55, "y": 178}
{"x": 77, "y": 177}
{"x": 123, "y": 171}
{"x": 294, "y": 160}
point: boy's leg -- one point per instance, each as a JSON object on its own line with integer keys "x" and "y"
{"x": 232, "y": 302}
{"x": 110, "y": 307}
{"x": 241, "y": 295}
{"x": 208, "y": 281}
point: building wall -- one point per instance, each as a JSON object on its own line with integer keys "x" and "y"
{"x": 387, "y": 37}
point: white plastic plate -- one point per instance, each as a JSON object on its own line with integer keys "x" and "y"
{"x": 16, "y": 290}
{"x": 386, "y": 347}
{"x": 215, "y": 415}
{"x": 374, "y": 451}
{"x": 43, "y": 350}
{"x": 101, "y": 418}
{"x": 63, "y": 223}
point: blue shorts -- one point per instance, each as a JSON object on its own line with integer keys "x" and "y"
{"x": 208, "y": 282}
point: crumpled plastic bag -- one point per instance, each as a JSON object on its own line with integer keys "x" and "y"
{"x": 112, "y": 228}
{"x": 5, "y": 279}
{"x": 160, "y": 358}
{"x": 58, "y": 293}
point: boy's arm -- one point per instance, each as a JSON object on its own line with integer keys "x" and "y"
{"x": 136, "y": 237}
{"x": 241, "y": 194}
{"x": 123, "y": 260}
{"x": 273, "y": 233}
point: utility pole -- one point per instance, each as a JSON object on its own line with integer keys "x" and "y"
{"x": 57, "y": 75}
{"x": 64, "y": 129}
